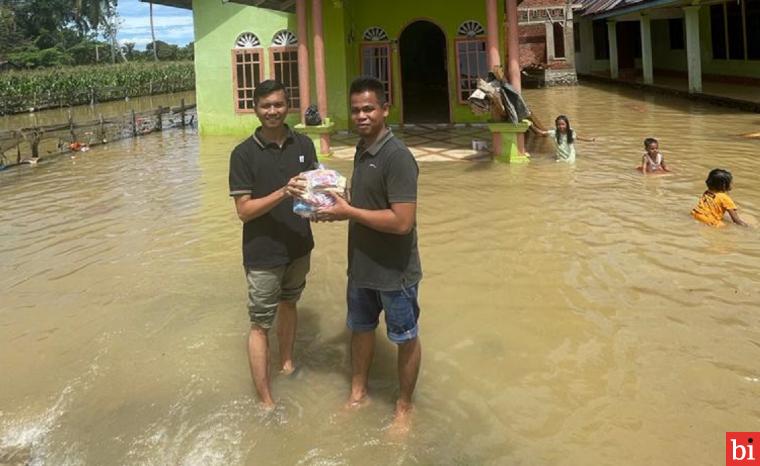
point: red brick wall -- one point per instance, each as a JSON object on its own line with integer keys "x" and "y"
{"x": 533, "y": 38}
{"x": 532, "y": 44}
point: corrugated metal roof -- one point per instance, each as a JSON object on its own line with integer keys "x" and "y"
{"x": 609, "y": 7}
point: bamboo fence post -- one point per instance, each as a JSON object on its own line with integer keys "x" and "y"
{"x": 182, "y": 111}
{"x": 159, "y": 116}
{"x": 71, "y": 128}
{"x": 35, "y": 145}
{"x": 134, "y": 124}
{"x": 101, "y": 129}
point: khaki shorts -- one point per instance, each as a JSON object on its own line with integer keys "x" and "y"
{"x": 268, "y": 287}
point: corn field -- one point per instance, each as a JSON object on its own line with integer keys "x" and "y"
{"x": 23, "y": 91}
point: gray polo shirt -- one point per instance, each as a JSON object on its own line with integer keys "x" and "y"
{"x": 384, "y": 173}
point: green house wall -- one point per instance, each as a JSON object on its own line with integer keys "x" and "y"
{"x": 217, "y": 26}
{"x": 742, "y": 68}
{"x": 663, "y": 58}
{"x": 667, "y": 59}
{"x": 393, "y": 16}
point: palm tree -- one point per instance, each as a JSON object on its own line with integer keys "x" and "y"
{"x": 91, "y": 14}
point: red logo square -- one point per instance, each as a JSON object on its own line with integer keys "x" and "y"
{"x": 742, "y": 449}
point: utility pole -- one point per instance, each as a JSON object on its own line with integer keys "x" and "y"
{"x": 153, "y": 34}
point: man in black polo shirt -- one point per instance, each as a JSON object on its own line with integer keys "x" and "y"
{"x": 264, "y": 176}
{"x": 383, "y": 262}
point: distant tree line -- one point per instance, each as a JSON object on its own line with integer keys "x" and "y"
{"x": 43, "y": 33}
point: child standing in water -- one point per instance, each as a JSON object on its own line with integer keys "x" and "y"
{"x": 652, "y": 161}
{"x": 714, "y": 202}
{"x": 564, "y": 137}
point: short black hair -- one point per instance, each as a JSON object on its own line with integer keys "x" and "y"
{"x": 649, "y": 141}
{"x": 368, "y": 83}
{"x": 719, "y": 180}
{"x": 267, "y": 87}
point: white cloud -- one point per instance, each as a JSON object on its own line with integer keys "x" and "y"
{"x": 179, "y": 36}
{"x": 173, "y": 33}
{"x": 139, "y": 23}
{"x": 140, "y": 42}
{"x": 172, "y": 25}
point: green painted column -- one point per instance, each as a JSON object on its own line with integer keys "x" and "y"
{"x": 646, "y": 48}
{"x": 693, "y": 52}
{"x": 612, "y": 36}
{"x": 510, "y": 132}
{"x": 315, "y": 133}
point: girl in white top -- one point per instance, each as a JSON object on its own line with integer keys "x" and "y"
{"x": 564, "y": 137}
{"x": 652, "y": 161}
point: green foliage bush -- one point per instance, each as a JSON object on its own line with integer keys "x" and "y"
{"x": 21, "y": 90}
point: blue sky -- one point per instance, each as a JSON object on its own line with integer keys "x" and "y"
{"x": 172, "y": 25}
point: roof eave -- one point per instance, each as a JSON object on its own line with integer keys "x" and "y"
{"x": 279, "y": 5}
{"x": 184, "y": 4}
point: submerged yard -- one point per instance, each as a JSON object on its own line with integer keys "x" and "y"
{"x": 570, "y": 314}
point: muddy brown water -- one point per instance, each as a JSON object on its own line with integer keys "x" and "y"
{"x": 89, "y": 113}
{"x": 570, "y": 314}
{"x": 88, "y": 132}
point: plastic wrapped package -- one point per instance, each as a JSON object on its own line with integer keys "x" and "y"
{"x": 319, "y": 183}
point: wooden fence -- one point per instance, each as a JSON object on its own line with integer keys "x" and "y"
{"x": 28, "y": 145}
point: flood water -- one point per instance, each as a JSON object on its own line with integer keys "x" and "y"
{"x": 570, "y": 314}
{"x": 90, "y": 113}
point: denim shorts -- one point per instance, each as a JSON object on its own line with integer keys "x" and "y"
{"x": 401, "y": 311}
{"x": 268, "y": 287}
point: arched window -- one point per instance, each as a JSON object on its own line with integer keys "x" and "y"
{"x": 283, "y": 58}
{"x": 374, "y": 34}
{"x": 247, "y": 40}
{"x": 472, "y": 60}
{"x": 471, "y": 29}
{"x": 247, "y": 70}
{"x": 376, "y": 58}
{"x": 284, "y": 38}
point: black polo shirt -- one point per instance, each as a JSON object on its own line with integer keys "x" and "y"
{"x": 258, "y": 168}
{"x": 384, "y": 173}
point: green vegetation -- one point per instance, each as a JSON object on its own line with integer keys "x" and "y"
{"x": 22, "y": 90}
{"x": 45, "y": 33}
{"x": 64, "y": 52}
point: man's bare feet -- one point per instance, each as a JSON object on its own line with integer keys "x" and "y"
{"x": 267, "y": 405}
{"x": 402, "y": 420}
{"x": 287, "y": 368}
{"x": 357, "y": 400}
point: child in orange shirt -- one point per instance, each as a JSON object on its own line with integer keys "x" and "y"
{"x": 714, "y": 202}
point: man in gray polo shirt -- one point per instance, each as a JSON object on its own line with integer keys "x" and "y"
{"x": 383, "y": 262}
